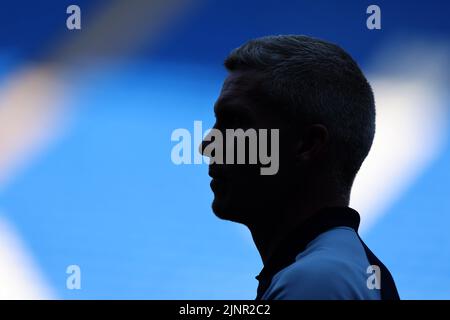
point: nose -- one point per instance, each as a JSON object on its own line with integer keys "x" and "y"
{"x": 201, "y": 148}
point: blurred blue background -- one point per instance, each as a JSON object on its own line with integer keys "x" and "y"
{"x": 86, "y": 118}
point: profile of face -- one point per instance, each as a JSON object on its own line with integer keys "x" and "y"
{"x": 241, "y": 192}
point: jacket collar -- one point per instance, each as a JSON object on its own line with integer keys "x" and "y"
{"x": 296, "y": 242}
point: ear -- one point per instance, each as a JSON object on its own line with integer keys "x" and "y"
{"x": 312, "y": 143}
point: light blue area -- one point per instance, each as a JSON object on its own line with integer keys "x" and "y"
{"x": 108, "y": 198}
{"x": 413, "y": 238}
{"x": 333, "y": 266}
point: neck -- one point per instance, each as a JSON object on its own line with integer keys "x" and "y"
{"x": 270, "y": 232}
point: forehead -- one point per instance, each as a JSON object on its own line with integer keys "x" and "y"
{"x": 240, "y": 88}
{"x": 241, "y": 82}
{"x": 243, "y": 94}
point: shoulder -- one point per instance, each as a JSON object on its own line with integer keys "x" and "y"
{"x": 316, "y": 278}
{"x": 323, "y": 273}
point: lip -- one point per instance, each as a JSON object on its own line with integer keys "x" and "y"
{"x": 217, "y": 185}
{"x": 215, "y": 174}
{"x": 218, "y": 179}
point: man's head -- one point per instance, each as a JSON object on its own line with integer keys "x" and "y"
{"x": 317, "y": 97}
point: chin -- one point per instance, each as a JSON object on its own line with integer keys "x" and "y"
{"x": 225, "y": 211}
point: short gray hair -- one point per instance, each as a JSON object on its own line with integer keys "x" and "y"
{"x": 317, "y": 82}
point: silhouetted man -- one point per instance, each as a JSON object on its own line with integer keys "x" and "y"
{"x": 317, "y": 100}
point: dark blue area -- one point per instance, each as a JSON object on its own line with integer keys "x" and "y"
{"x": 212, "y": 28}
{"x": 30, "y": 29}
